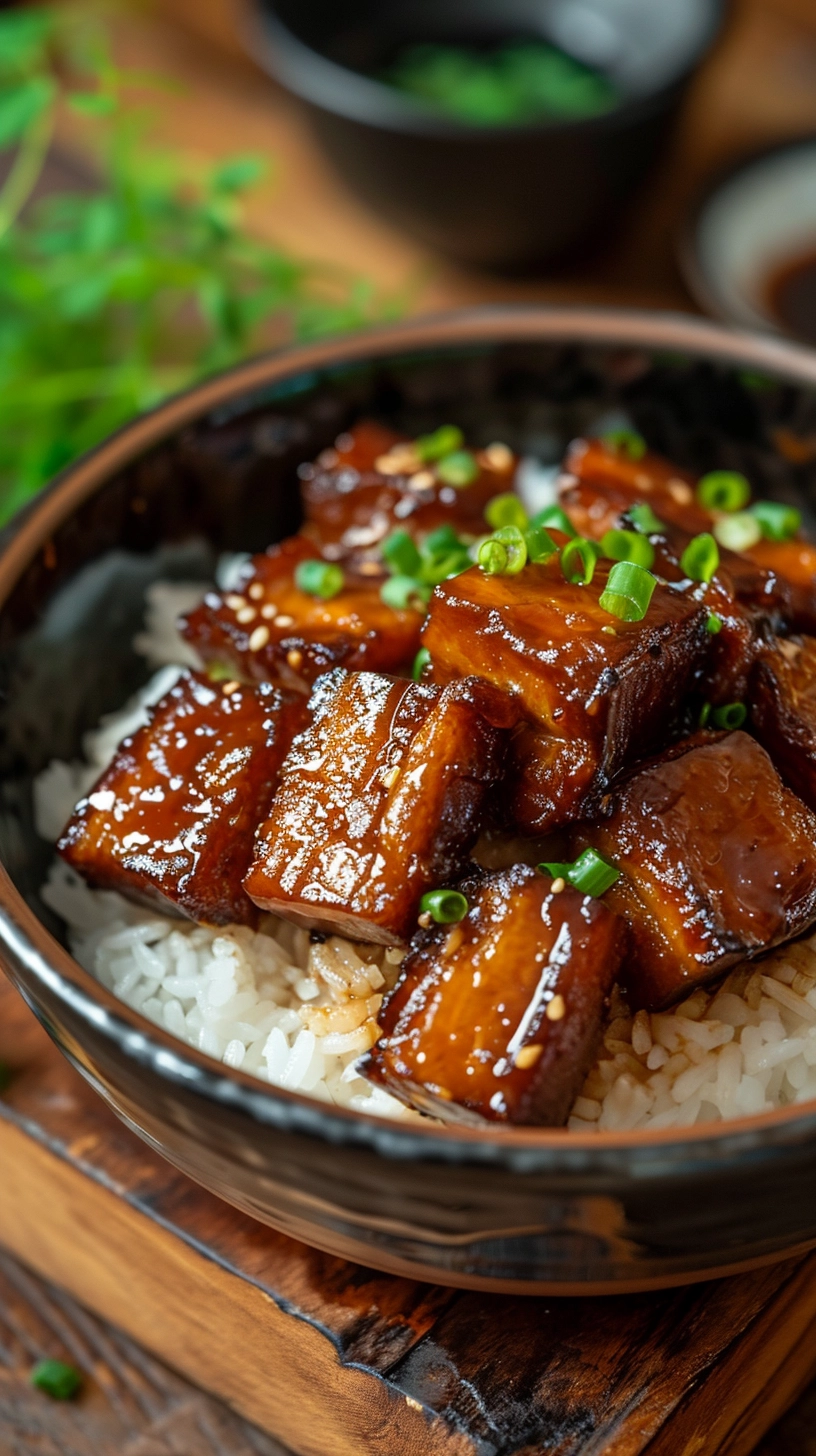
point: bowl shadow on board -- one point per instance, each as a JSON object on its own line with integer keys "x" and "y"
{"x": 504, "y": 1209}
{"x": 508, "y": 198}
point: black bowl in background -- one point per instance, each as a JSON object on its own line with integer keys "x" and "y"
{"x": 502, "y": 197}
{"x": 524, "y": 1209}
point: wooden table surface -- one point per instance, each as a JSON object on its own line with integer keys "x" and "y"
{"x": 758, "y": 86}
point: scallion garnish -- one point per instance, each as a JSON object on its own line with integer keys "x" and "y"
{"x": 55, "y": 1378}
{"x": 319, "y": 578}
{"x": 492, "y": 557}
{"x": 777, "y": 522}
{"x": 441, "y": 541}
{"x": 705, "y": 714}
{"x": 402, "y": 592}
{"x": 552, "y": 518}
{"x": 644, "y": 519}
{"x": 402, "y": 554}
{"x": 700, "y": 558}
{"x": 444, "y": 441}
{"x": 738, "y": 531}
{"x": 435, "y": 569}
{"x": 625, "y": 442}
{"x": 578, "y": 560}
{"x": 731, "y": 716}
{"x": 540, "y": 544}
{"x": 621, "y": 545}
{"x": 714, "y": 624}
{"x": 458, "y": 469}
{"x": 723, "y": 490}
{"x": 504, "y": 553}
{"x": 421, "y": 661}
{"x": 591, "y": 874}
{"x": 628, "y": 591}
{"x": 506, "y": 510}
{"x": 446, "y": 907}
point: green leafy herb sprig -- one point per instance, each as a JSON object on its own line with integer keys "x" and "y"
{"x": 113, "y": 297}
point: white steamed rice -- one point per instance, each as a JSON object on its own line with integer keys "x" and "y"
{"x": 299, "y": 1015}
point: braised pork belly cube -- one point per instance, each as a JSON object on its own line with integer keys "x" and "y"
{"x": 793, "y": 565}
{"x": 717, "y": 862}
{"x": 270, "y": 630}
{"x": 498, "y": 1017}
{"x": 374, "y": 482}
{"x": 380, "y": 801}
{"x": 596, "y": 692}
{"x": 173, "y": 818}
{"x": 600, "y": 483}
{"x": 782, "y": 702}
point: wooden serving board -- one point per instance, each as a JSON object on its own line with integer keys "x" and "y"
{"x": 336, "y": 1360}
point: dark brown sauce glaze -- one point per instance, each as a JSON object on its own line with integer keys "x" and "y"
{"x": 790, "y": 292}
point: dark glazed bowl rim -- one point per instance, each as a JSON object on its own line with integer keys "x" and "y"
{"x": 342, "y": 91}
{"x": 39, "y": 958}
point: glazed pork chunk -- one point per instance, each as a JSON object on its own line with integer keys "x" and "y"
{"x": 782, "y": 700}
{"x": 174, "y": 816}
{"x": 498, "y": 1017}
{"x": 380, "y": 801}
{"x": 596, "y": 692}
{"x": 717, "y": 862}
{"x": 375, "y": 482}
{"x": 279, "y": 625}
{"x": 600, "y": 483}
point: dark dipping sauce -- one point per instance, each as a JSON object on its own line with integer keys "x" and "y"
{"x": 791, "y": 294}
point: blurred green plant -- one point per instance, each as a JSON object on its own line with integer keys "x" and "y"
{"x": 115, "y": 296}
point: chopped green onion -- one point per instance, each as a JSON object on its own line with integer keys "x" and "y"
{"x": 319, "y": 578}
{"x": 506, "y": 510}
{"x": 57, "y": 1379}
{"x": 446, "y": 907}
{"x": 625, "y": 442}
{"x": 628, "y": 591}
{"x": 421, "y": 661}
{"x": 578, "y": 560}
{"x": 552, "y": 518}
{"x": 700, "y": 558}
{"x": 492, "y": 557}
{"x": 723, "y": 490}
{"x": 777, "y": 522}
{"x": 402, "y": 554}
{"x": 442, "y": 442}
{"x": 739, "y": 531}
{"x": 458, "y": 469}
{"x": 441, "y": 541}
{"x": 504, "y": 553}
{"x": 220, "y": 671}
{"x": 732, "y": 716}
{"x": 628, "y": 546}
{"x": 644, "y": 519}
{"x": 540, "y": 544}
{"x": 591, "y": 874}
{"x": 714, "y": 624}
{"x": 705, "y": 714}
{"x": 402, "y": 592}
{"x": 440, "y": 568}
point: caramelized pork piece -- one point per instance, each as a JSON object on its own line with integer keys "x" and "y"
{"x": 782, "y": 699}
{"x": 380, "y": 800}
{"x": 717, "y": 861}
{"x": 374, "y": 483}
{"x": 174, "y": 816}
{"x": 268, "y": 630}
{"x": 596, "y": 692}
{"x": 793, "y": 564}
{"x": 498, "y": 1017}
{"x": 606, "y": 482}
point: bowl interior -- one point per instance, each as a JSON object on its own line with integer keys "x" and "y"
{"x": 641, "y": 46}
{"x": 227, "y": 481}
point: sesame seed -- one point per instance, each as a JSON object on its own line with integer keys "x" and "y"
{"x": 390, "y": 777}
{"x": 680, "y": 491}
{"x": 558, "y": 885}
{"x": 281, "y": 621}
{"x": 610, "y": 631}
{"x": 498, "y": 457}
{"x": 556, "y": 1009}
{"x": 643, "y": 481}
{"x": 229, "y": 688}
{"x": 245, "y": 615}
{"x": 234, "y": 602}
{"x": 455, "y": 937}
{"x": 269, "y": 610}
{"x": 423, "y": 480}
{"x": 256, "y": 591}
{"x": 426, "y": 920}
{"x": 294, "y": 658}
{"x": 370, "y": 568}
{"x": 401, "y": 460}
{"x": 527, "y": 1056}
{"x": 259, "y": 639}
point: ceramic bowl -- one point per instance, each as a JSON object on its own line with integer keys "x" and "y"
{"x": 527, "y": 1210}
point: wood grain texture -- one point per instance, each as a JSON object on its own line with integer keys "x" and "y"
{"x": 336, "y": 1360}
